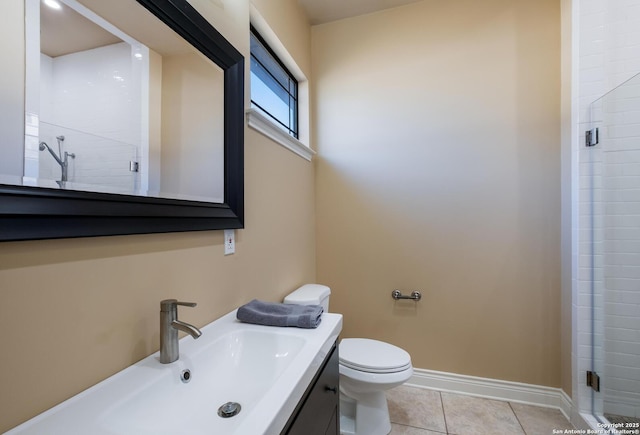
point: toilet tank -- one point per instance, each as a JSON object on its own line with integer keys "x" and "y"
{"x": 310, "y": 294}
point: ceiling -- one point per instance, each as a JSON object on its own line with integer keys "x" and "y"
{"x": 60, "y": 28}
{"x": 323, "y": 11}
{"x": 65, "y": 31}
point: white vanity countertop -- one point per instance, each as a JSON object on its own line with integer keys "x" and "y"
{"x": 265, "y": 369}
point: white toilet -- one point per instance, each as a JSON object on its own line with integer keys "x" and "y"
{"x": 367, "y": 369}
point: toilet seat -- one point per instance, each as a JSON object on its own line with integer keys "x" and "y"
{"x": 373, "y": 356}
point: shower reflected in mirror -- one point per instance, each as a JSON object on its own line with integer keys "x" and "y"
{"x": 140, "y": 108}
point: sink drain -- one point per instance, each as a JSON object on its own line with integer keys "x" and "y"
{"x": 185, "y": 376}
{"x": 229, "y": 409}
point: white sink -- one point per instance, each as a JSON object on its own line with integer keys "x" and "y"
{"x": 264, "y": 369}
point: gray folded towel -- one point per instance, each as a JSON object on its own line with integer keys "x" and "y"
{"x": 274, "y": 314}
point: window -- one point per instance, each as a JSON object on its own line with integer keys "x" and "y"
{"x": 274, "y": 90}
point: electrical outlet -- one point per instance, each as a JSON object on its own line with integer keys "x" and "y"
{"x": 229, "y": 242}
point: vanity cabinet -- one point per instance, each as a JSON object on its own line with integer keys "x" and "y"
{"x": 318, "y": 413}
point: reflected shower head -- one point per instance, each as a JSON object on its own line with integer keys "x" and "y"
{"x": 42, "y": 146}
{"x": 60, "y": 138}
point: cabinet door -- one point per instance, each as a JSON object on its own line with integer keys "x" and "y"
{"x": 320, "y": 414}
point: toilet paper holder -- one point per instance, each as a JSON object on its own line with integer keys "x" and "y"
{"x": 415, "y": 295}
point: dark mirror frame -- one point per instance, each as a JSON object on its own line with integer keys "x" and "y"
{"x": 30, "y": 213}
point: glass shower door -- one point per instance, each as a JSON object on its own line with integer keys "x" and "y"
{"x": 614, "y": 227}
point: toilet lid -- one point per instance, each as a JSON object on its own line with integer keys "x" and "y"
{"x": 373, "y": 356}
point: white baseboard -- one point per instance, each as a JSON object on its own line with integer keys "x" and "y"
{"x": 530, "y": 394}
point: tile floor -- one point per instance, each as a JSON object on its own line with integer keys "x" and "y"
{"x": 416, "y": 411}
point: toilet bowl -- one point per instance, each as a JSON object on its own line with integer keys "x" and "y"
{"x": 367, "y": 369}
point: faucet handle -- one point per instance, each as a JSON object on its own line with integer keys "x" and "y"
{"x": 171, "y": 304}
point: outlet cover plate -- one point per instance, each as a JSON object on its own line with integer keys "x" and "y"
{"x": 229, "y": 242}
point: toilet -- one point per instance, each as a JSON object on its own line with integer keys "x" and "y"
{"x": 367, "y": 369}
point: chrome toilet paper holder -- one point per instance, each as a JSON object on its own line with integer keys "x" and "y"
{"x": 415, "y": 295}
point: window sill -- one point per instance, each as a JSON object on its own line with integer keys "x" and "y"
{"x": 261, "y": 124}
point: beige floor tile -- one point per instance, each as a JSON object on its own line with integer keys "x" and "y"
{"x": 399, "y": 429}
{"x": 467, "y": 415}
{"x": 537, "y": 420}
{"x": 416, "y": 407}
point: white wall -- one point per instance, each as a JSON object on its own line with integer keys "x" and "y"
{"x": 104, "y": 81}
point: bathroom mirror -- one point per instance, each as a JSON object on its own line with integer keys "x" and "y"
{"x": 134, "y": 122}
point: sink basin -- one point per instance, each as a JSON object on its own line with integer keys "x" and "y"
{"x": 264, "y": 369}
{"x": 240, "y": 366}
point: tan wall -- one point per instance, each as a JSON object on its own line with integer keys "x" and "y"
{"x": 439, "y": 136}
{"x": 192, "y": 127}
{"x": 76, "y": 311}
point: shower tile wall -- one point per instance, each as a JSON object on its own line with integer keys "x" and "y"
{"x": 83, "y": 96}
{"x": 608, "y": 55}
{"x": 609, "y": 50}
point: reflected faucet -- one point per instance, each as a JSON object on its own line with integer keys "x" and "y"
{"x": 169, "y": 326}
{"x": 64, "y": 164}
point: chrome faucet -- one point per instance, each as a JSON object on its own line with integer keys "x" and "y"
{"x": 169, "y": 326}
{"x": 64, "y": 163}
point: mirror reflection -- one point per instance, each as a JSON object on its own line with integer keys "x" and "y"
{"x": 116, "y": 102}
